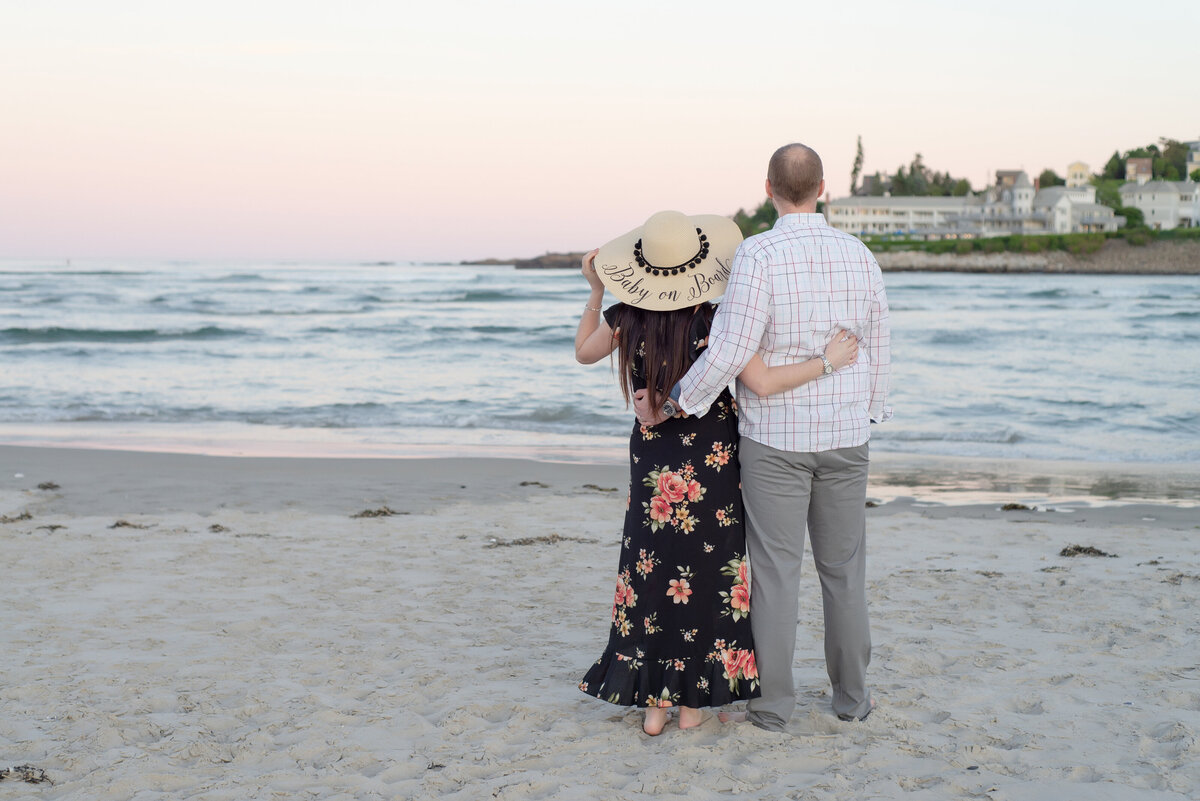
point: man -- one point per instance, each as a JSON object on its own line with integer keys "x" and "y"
{"x": 804, "y": 452}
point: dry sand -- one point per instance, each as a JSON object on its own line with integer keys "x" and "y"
{"x": 245, "y": 637}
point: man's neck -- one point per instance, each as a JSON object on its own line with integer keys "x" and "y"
{"x": 788, "y": 208}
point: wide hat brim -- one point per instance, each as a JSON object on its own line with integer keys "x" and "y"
{"x": 665, "y": 287}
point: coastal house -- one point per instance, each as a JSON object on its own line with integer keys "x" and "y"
{"x": 1139, "y": 170}
{"x": 873, "y": 216}
{"x": 1193, "y": 158}
{"x": 1012, "y": 206}
{"x": 1006, "y": 179}
{"x": 873, "y": 185}
{"x": 1164, "y": 204}
{"x": 1078, "y": 175}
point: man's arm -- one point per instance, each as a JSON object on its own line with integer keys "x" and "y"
{"x": 878, "y": 342}
{"x": 736, "y": 334}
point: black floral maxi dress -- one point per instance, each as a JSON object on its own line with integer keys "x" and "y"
{"x": 680, "y": 621}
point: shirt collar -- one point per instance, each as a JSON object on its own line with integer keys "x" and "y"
{"x": 798, "y": 220}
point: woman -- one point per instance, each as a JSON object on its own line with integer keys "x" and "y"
{"x": 680, "y": 622}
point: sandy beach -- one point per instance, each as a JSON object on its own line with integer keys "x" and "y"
{"x": 181, "y": 626}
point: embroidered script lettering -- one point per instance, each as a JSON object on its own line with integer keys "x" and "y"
{"x": 701, "y": 283}
{"x": 624, "y": 277}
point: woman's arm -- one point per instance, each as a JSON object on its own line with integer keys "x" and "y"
{"x": 762, "y": 380}
{"x": 593, "y": 338}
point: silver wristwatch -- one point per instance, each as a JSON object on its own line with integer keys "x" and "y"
{"x": 828, "y": 365}
{"x": 669, "y": 409}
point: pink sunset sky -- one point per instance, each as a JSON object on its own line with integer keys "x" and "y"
{"x": 430, "y": 131}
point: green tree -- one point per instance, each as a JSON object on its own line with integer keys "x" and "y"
{"x": 877, "y": 187}
{"x": 1050, "y": 178}
{"x": 1147, "y": 152}
{"x": 760, "y": 220}
{"x": 1171, "y": 174}
{"x": 1114, "y": 167}
{"x": 1133, "y": 216}
{"x": 1175, "y": 153}
{"x": 858, "y": 164}
{"x": 1108, "y": 191}
{"x": 918, "y": 177}
{"x": 1195, "y": 176}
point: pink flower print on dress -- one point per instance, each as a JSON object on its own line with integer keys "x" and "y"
{"x": 694, "y": 491}
{"x": 646, "y": 562}
{"x": 750, "y": 666}
{"x": 672, "y": 486}
{"x": 660, "y": 509}
{"x": 679, "y": 590}
{"x": 731, "y": 661}
{"x": 719, "y": 457}
{"x": 739, "y": 598}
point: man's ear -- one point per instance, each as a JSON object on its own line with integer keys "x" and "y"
{"x": 821, "y": 189}
{"x": 770, "y": 194}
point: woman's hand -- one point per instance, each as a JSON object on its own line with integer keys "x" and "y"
{"x": 589, "y": 270}
{"x": 842, "y": 350}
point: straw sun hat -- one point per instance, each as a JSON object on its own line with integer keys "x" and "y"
{"x": 672, "y": 262}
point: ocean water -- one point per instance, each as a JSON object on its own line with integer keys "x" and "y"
{"x": 408, "y": 358}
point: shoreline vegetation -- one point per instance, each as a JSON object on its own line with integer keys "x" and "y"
{"x": 1123, "y": 253}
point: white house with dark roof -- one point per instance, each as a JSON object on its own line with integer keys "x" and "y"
{"x": 1165, "y": 204}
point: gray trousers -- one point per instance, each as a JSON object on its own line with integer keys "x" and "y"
{"x": 782, "y": 492}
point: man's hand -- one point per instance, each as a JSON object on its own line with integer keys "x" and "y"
{"x": 646, "y": 415}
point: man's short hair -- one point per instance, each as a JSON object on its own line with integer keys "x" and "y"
{"x": 795, "y": 173}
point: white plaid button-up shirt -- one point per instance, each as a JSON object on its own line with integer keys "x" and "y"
{"x": 790, "y": 289}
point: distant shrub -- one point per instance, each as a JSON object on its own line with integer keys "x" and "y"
{"x": 964, "y": 246}
{"x": 1138, "y": 236}
{"x": 1180, "y": 233}
{"x": 993, "y": 245}
{"x": 1084, "y": 244}
{"x": 1034, "y": 244}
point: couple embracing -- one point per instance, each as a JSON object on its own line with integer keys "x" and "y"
{"x": 722, "y": 490}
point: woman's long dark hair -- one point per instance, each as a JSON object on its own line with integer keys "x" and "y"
{"x": 662, "y": 341}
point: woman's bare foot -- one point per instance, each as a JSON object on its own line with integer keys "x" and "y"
{"x": 689, "y": 718}
{"x": 736, "y": 716}
{"x": 655, "y": 722}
